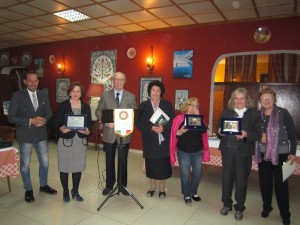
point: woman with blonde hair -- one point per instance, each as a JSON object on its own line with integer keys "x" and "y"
{"x": 189, "y": 144}
{"x": 237, "y": 150}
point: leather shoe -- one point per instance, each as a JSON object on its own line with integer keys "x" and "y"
{"x": 124, "y": 191}
{"x": 150, "y": 193}
{"x": 238, "y": 215}
{"x": 286, "y": 221}
{"x": 29, "y": 196}
{"x": 77, "y": 196}
{"x": 162, "y": 194}
{"x": 106, "y": 191}
{"x": 224, "y": 211}
{"x": 196, "y": 198}
{"x": 187, "y": 200}
{"x": 48, "y": 189}
{"x": 265, "y": 212}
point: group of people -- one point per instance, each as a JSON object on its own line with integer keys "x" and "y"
{"x": 269, "y": 134}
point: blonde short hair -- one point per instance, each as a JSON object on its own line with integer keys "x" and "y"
{"x": 249, "y": 101}
{"x": 188, "y": 102}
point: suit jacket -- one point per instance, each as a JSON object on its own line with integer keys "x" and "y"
{"x": 151, "y": 146}
{"x": 65, "y": 108}
{"x": 107, "y": 101}
{"x": 251, "y": 122}
{"x": 21, "y": 110}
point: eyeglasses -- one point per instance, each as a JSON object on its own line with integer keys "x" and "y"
{"x": 121, "y": 80}
{"x": 266, "y": 99}
{"x": 194, "y": 106}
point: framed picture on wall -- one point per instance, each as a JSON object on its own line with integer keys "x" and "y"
{"x": 39, "y": 67}
{"x": 183, "y": 64}
{"x": 180, "y": 97}
{"x": 144, "y": 85}
{"x": 62, "y": 85}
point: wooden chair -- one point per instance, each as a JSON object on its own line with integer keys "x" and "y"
{"x": 7, "y": 134}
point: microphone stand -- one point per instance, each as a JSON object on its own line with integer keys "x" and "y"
{"x": 119, "y": 185}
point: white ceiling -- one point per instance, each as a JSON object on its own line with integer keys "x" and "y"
{"x": 26, "y": 22}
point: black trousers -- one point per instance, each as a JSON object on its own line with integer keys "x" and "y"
{"x": 235, "y": 169}
{"x": 269, "y": 174}
{"x": 110, "y": 152}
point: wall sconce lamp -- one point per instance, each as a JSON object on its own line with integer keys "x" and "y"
{"x": 61, "y": 67}
{"x": 150, "y": 62}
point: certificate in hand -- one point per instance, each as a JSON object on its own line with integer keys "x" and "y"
{"x": 159, "y": 117}
{"x": 75, "y": 122}
{"x": 288, "y": 170}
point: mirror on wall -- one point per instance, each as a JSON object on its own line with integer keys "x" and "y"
{"x": 277, "y": 69}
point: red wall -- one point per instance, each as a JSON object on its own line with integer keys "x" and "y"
{"x": 208, "y": 43}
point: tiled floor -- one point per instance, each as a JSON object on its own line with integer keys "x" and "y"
{"x": 118, "y": 210}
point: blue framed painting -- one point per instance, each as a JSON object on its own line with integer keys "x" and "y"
{"x": 183, "y": 64}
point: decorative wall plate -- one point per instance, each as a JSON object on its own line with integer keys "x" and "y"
{"x": 131, "y": 52}
{"x": 52, "y": 59}
{"x": 4, "y": 58}
{"x": 26, "y": 59}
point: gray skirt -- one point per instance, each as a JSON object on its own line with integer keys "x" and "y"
{"x": 71, "y": 154}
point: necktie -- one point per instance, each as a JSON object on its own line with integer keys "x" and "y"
{"x": 34, "y": 101}
{"x": 117, "y": 100}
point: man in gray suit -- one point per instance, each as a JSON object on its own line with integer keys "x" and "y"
{"x": 113, "y": 99}
{"x": 30, "y": 110}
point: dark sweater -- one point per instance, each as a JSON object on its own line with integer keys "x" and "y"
{"x": 189, "y": 141}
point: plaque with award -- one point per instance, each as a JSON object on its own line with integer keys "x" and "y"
{"x": 231, "y": 126}
{"x": 193, "y": 122}
{"x": 75, "y": 122}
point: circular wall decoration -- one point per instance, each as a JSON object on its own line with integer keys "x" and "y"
{"x": 52, "y": 59}
{"x": 131, "y": 52}
{"x": 262, "y": 35}
{"x": 26, "y": 59}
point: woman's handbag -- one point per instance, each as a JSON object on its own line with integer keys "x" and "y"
{"x": 283, "y": 148}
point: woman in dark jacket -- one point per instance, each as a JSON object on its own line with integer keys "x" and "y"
{"x": 156, "y": 138}
{"x": 237, "y": 150}
{"x": 72, "y": 143}
{"x": 277, "y": 145}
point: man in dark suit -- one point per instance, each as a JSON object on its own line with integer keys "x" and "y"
{"x": 109, "y": 100}
{"x": 30, "y": 110}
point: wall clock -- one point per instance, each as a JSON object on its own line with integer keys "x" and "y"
{"x": 26, "y": 59}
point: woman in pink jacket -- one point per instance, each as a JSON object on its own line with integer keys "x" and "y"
{"x": 189, "y": 145}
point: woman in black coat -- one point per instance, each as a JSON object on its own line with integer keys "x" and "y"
{"x": 237, "y": 150}
{"x": 156, "y": 138}
{"x": 277, "y": 145}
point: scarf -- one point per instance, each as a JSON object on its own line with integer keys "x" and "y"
{"x": 271, "y": 151}
{"x": 240, "y": 112}
{"x": 174, "y": 140}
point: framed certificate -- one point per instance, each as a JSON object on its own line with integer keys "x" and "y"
{"x": 75, "y": 122}
{"x": 231, "y": 126}
{"x": 193, "y": 122}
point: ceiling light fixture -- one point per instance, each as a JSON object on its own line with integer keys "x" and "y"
{"x": 72, "y": 15}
